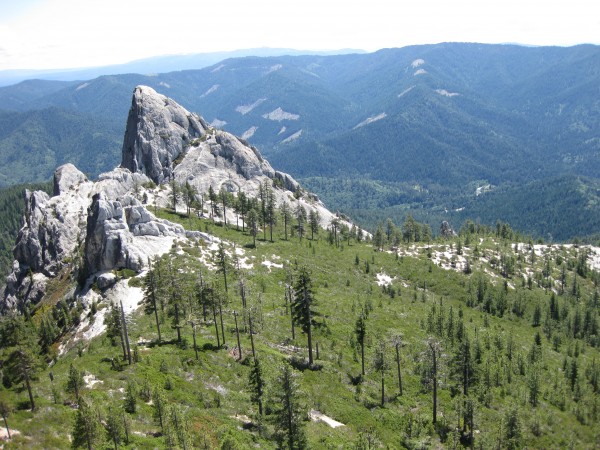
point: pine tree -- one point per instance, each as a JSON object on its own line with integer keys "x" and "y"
{"x": 303, "y": 306}
{"x": 253, "y": 225}
{"x": 301, "y": 220}
{"x": 462, "y": 368}
{"x": 175, "y": 194}
{"x": 288, "y": 414}
{"x": 150, "y": 296}
{"x": 114, "y": 426}
{"x": 257, "y": 385}
{"x": 398, "y": 343}
{"x": 286, "y": 214}
{"x": 130, "y": 401}
{"x": 313, "y": 223}
{"x": 380, "y": 364}
{"x": 360, "y": 329}
{"x": 87, "y": 429}
{"x": 159, "y": 401}
{"x": 270, "y": 211}
{"x": 188, "y": 195}
{"x": 179, "y": 428}
{"x": 222, "y": 263}
{"x": 23, "y": 359}
{"x": 512, "y": 429}
{"x": 74, "y": 382}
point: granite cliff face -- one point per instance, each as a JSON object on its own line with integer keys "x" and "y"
{"x": 163, "y": 140}
{"x": 87, "y": 229}
{"x": 158, "y": 129}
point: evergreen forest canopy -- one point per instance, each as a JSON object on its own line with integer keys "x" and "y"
{"x": 443, "y": 132}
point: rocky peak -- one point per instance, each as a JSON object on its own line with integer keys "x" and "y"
{"x": 88, "y": 229}
{"x": 158, "y": 130}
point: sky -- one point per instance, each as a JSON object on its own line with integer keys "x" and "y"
{"x": 59, "y": 34}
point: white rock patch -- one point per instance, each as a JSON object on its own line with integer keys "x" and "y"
{"x": 90, "y": 380}
{"x": 317, "y": 416}
{"x": 371, "y": 120}
{"x": 249, "y": 132}
{"x": 420, "y": 72}
{"x": 210, "y": 90}
{"x": 279, "y": 115}
{"x": 82, "y": 86}
{"x": 269, "y": 265}
{"x": 274, "y": 68}
{"x": 245, "y": 109}
{"x": 292, "y": 137}
{"x": 445, "y": 93}
{"x": 218, "y": 123}
{"x": 162, "y": 83}
{"x": 384, "y": 279}
{"x": 406, "y": 91}
{"x": 417, "y": 62}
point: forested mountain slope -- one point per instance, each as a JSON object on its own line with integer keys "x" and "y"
{"x": 445, "y": 119}
{"x": 197, "y": 298}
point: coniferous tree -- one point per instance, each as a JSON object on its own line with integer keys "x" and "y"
{"x": 288, "y": 414}
{"x": 114, "y": 426}
{"x": 380, "y": 365}
{"x": 398, "y": 343}
{"x": 301, "y": 220}
{"x": 175, "y": 194}
{"x": 270, "y": 211}
{"x": 177, "y": 434}
{"x": 159, "y": 401}
{"x": 222, "y": 263}
{"x": 360, "y": 330}
{"x": 74, "y": 382}
{"x": 225, "y": 201}
{"x": 87, "y": 427}
{"x": 313, "y": 223}
{"x": 23, "y": 359}
{"x": 286, "y": 214}
{"x": 253, "y": 225}
{"x": 257, "y": 385}
{"x": 188, "y": 195}
{"x": 512, "y": 429}
{"x": 378, "y": 238}
{"x": 150, "y": 296}
{"x": 130, "y": 401}
{"x": 462, "y": 368}
{"x": 303, "y": 306}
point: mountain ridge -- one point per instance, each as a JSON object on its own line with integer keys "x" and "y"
{"x": 450, "y": 115}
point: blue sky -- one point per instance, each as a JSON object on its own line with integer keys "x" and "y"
{"x": 46, "y": 34}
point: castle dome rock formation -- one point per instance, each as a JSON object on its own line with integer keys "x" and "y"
{"x": 89, "y": 229}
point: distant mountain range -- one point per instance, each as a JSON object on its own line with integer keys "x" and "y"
{"x": 157, "y": 64}
{"x": 443, "y": 131}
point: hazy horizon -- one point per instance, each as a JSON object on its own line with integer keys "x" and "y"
{"x": 70, "y": 34}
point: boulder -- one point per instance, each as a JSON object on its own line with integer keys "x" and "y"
{"x": 67, "y": 177}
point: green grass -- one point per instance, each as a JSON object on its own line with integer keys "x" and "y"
{"x": 213, "y": 390}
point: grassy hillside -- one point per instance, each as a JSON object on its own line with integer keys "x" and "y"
{"x": 529, "y": 313}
